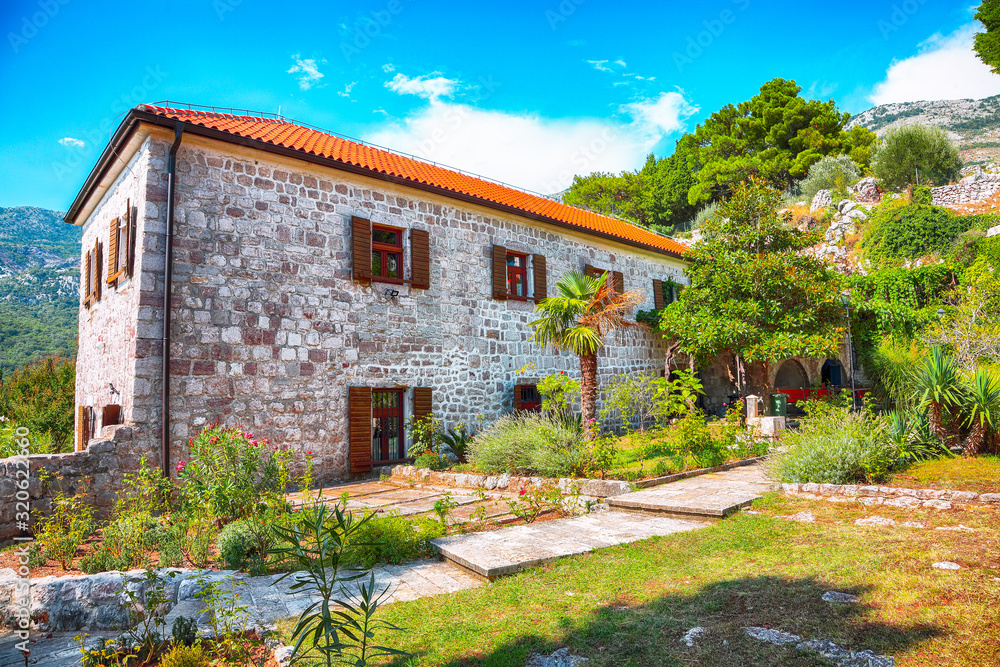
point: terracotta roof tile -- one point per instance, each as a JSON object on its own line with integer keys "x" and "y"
{"x": 289, "y": 135}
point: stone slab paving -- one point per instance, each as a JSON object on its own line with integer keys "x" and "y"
{"x": 715, "y": 495}
{"x": 508, "y": 550}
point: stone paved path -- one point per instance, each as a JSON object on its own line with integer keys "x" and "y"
{"x": 715, "y": 495}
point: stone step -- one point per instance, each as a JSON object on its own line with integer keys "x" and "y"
{"x": 709, "y": 506}
{"x": 508, "y": 550}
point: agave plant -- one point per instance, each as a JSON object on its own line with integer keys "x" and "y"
{"x": 939, "y": 388}
{"x": 982, "y": 406}
{"x": 912, "y": 436}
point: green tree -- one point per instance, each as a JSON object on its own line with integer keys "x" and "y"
{"x": 41, "y": 396}
{"x": 626, "y": 195}
{"x": 579, "y": 320}
{"x": 753, "y": 294}
{"x": 914, "y": 152}
{"x": 987, "y": 43}
{"x": 776, "y": 136}
{"x": 830, "y": 173}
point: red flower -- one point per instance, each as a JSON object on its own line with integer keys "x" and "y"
{"x": 180, "y": 466}
{"x": 523, "y": 492}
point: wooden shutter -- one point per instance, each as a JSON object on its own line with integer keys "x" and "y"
{"x": 499, "y": 272}
{"x": 423, "y": 405}
{"x": 658, "y": 294}
{"x": 591, "y": 271}
{"x": 420, "y": 258}
{"x": 619, "y": 281}
{"x": 88, "y": 273}
{"x": 359, "y": 401}
{"x": 541, "y": 281}
{"x": 97, "y": 271}
{"x": 130, "y": 233}
{"x": 113, "y": 251}
{"x": 361, "y": 231}
{"x": 517, "y": 397}
{"x": 81, "y": 428}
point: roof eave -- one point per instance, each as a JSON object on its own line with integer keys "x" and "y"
{"x": 136, "y": 116}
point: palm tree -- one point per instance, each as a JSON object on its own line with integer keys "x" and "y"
{"x": 939, "y": 388}
{"x": 983, "y": 405}
{"x": 586, "y": 311}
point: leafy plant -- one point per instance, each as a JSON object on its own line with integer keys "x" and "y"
{"x": 443, "y": 508}
{"x": 318, "y": 545}
{"x": 982, "y": 401}
{"x": 559, "y": 393}
{"x": 457, "y": 439}
{"x": 184, "y": 630}
{"x": 393, "y": 539}
{"x": 41, "y": 397}
{"x": 902, "y": 232}
{"x": 62, "y": 530}
{"x": 530, "y": 443}
{"x": 831, "y": 172}
{"x": 529, "y": 504}
{"x": 185, "y": 655}
{"x": 146, "y": 605}
{"x": 938, "y": 388}
{"x": 913, "y": 152}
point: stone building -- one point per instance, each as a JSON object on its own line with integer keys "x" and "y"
{"x": 321, "y": 291}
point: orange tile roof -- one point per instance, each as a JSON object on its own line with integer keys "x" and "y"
{"x": 307, "y": 140}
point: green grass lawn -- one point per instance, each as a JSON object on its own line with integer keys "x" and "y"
{"x": 979, "y": 473}
{"x": 630, "y": 605}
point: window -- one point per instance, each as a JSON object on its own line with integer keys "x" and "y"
{"x": 669, "y": 292}
{"x": 527, "y": 398}
{"x": 387, "y": 254}
{"x": 387, "y": 425}
{"x": 517, "y": 275}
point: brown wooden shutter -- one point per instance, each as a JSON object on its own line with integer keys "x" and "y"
{"x": 97, "y": 271}
{"x": 420, "y": 258}
{"x": 113, "y": 251}
{"x": 130, "y": 233}
{"x": 359, "y": 401}
{"x": 88, "y": 274}
{"x": 619, "y": 281}
{"x": 499, "y": 272}
{"x": 361, "y": 231}
{"x": 541, "y": 280}
{"x": 517, "y": 397}
{"x": 658, "y": 294}
{"x": 81, "y": 428}
{"x": 423, "y": 404}
{"x": 591, "y": 271}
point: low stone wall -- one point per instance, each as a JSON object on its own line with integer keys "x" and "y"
{"x": 887, "y": 495}
{"x": 966, "y": 193}
{"x": 98, "y": 470}
{"x": 593, "y": 488}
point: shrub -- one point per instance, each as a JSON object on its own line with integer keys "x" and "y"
{"x": 836, "y": 446}
{"x": 430, "y": 460}
{"x": 41, "y": 397}
{"x": 182, "y": 655}
{"x": 65, "y": 527}
{"x": 184, "y": 630}
{"x": 829, "y": 173}
{"x": 124, "y": 543}
{"x": 704, "y": 214}
{"x": 236, "y": 543}
{"x": 530, "y": 444}
{"x": 13, "y": 435}
{"x": 393, "y": 539}
{"x": 232, "y": 474}
{"x": 559, "y": 393}
{"x": 912, "y": 149}
{"x": 912, "y": 231}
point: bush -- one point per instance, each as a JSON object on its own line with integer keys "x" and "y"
{"x": 530, "y": 443}
{"x": 65, "y": 527}
{"x": 181, "y": 655}
{"x": 704, "y": 214}
{"x": 232, "y": 474}
{"x": 41, "y": 397}
{"x": 12, "y": 436}
{"x": 829, "y": 173}
{"x": 912, "y": 231}
{"x": 429, "y": 460}
{"x": 236, "y": 543}
{"x": 124, "y": 543}
{"x": 184, "y": 630}
{"x": 910, "y": 149}
{"x": 393, "y": 539}
{"x": 836, "y": 446}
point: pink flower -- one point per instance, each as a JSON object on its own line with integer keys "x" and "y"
{"x": 523, "y": 492}
{"x": 309, "y": 453}
{"x": 180, "y": 465}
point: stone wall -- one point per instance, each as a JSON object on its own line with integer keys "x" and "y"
{"x": 980, "y": 189}
{"x": 269, "y": 329}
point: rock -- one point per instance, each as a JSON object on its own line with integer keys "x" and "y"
{"x": 875, "y": 521}
{"x": 283, "y": 656}
{"x": 825, "y": 647}
{"x": 866, "y": 190}
{"x": 807, "y": 222}
{"x": 822, "y": 199}
{"x": 776, "y": 637}
{"x": 804, "y": 517}
{"x": 991, "y": 497}
{"x": 560, "y": 658}
{"x": 691, "y": 635}
{"x": 912, "y": 524}
{"x": 846, "y": 206}
{"x": 834, "y": 596}
{"x": 906, "y": 502}
{"x": 946, "y": 565}
{"x": 959, "y": 527}
{"x": 938, "y": 504}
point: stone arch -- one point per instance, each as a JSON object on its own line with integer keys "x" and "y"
{"x": 791, "y": 375}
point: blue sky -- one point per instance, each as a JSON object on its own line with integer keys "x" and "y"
{"x": 526, "y": 93}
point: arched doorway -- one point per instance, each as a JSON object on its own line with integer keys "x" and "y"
{"x": 791, "y": 375}
{"x": 832, "y": 374}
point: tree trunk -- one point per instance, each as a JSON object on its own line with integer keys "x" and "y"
{"x": 974, "y": 441}
{"x": 588, "y": 389}
{"x": 756, "y": 379}
{"x": 935, "y": 418}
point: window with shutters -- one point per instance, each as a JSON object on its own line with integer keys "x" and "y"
{"x": 121, "y": 247}
{"x": 387, "y": 254}
{"x": 517, "y": 276}
{"x": 388, "y": 443}
{"x": 91, "y": 274}
{"x": 527, "y": 398}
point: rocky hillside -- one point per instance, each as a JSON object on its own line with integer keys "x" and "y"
{"x": 39, "y": 284}
{"x": 972, "y": 124}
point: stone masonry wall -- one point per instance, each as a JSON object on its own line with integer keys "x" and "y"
{"x": 978, "y": 190}
{"x": 270, "y": 330}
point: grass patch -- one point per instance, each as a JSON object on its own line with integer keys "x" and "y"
{"x": 630, "y": 605}
{"x": 979, "y": 473}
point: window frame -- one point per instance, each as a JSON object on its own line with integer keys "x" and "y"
{"x": 519, "y": 270}
{"x": 385, "y": 249}
{"x": 400, "y": 413}
{"x": 534, "y": 405}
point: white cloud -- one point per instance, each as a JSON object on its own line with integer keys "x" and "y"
{"x": 620, "y": 63}
{"x": 388, "y": 67}
{"x": 600, "y": 65}
{"x": 71, "y": 142}
{"x": 307, "y": 70}
{"x": 346, "y": 92}
{"x": 528, "y": 150}
{"x": 429, "y": 86}
{"x": 945, "y": 69}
